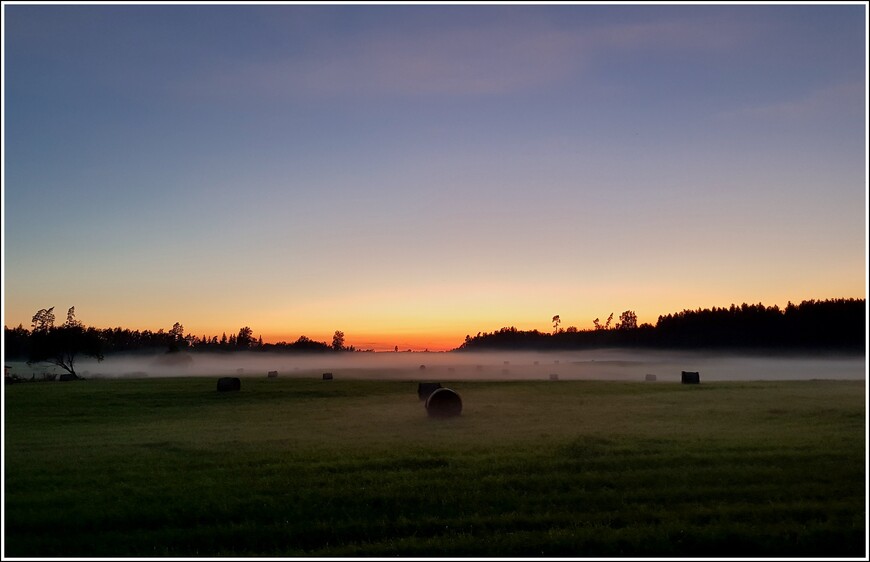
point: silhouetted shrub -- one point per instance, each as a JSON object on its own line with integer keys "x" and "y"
{"x": 174, "y": 359}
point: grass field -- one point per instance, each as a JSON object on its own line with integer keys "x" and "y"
{"x": 303, "y": 467}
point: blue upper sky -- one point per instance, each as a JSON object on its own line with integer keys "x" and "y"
{"x": 429, "y": 170}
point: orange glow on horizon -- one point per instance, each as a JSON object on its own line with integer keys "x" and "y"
{"x": 426, "y": 325}
{"x": 381, "y": 341}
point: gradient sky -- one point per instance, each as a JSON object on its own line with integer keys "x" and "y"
{"x": 412, "y": 174}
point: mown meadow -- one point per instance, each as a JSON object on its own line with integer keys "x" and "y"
{"x": 304, "y": 467}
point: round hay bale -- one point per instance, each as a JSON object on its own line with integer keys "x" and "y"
{"x": 272, "y": 374}
{"x": 65, "y": 377}
{"x": 690, "y": 377}
{"x": 327, "y": 376}
{"x": 443, "y": 403}
{"x": 422, "y": 367}
{"x": 554, "y": 377}
{"x": 650, "y": 378}
{"x": 229, "y": 384}
{"x": 424, "y": 389}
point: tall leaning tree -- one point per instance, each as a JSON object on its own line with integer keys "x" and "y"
{"x": 62, "y": 345}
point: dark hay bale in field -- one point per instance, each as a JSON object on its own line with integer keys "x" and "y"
{"x": 554, "y": 377}
{"x": 67, "y": 377}
{"x": 443, "y": 403}
{"x": 424, "y": 389}
{"x": 327, "y": 376}
{"x": 422, "y": 367}
{"x": 649, "y": 378}
{"x": 689, "y": 377}
{"x": 228, "y": 384}
{"x": 272, "y": 374}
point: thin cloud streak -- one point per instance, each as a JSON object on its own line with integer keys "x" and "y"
{"x": 819, "y": 102}
{"x": 495, "y": 59}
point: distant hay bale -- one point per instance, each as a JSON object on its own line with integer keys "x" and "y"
{"x": 443, "y": 403}
{"x": 327, "y": 376}
{"x": 228, "y": 384}
{"x": 689, "y": 377}
{"x": 67, "y": 377}
{"x": 272, "y": 374}
{"x": 425, "y": 389}
{"x": 478, "y": 367}
{"x": 554, "y": 377}
{"x": 507, "y": 362}
{"x": 650, "y": 378}
{"x": 422, "y": 367}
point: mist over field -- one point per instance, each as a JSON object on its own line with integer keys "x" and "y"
{"x": 609, "y": 364}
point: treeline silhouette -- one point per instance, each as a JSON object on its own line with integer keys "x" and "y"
{"x": 813, "y": 325}
{"x": 21, "y": 342}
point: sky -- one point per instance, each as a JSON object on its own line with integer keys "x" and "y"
{"x": 410, "y": 174}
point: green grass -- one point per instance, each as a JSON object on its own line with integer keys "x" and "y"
{"x": 302, "y": 467}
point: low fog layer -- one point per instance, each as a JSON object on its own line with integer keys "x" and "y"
{"x": 622, "y": 365}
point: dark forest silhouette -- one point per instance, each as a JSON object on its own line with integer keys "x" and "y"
{"x": 22, "y": 343}
{"x": 836, "y": 324}
{"x": 814, "y": 325}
